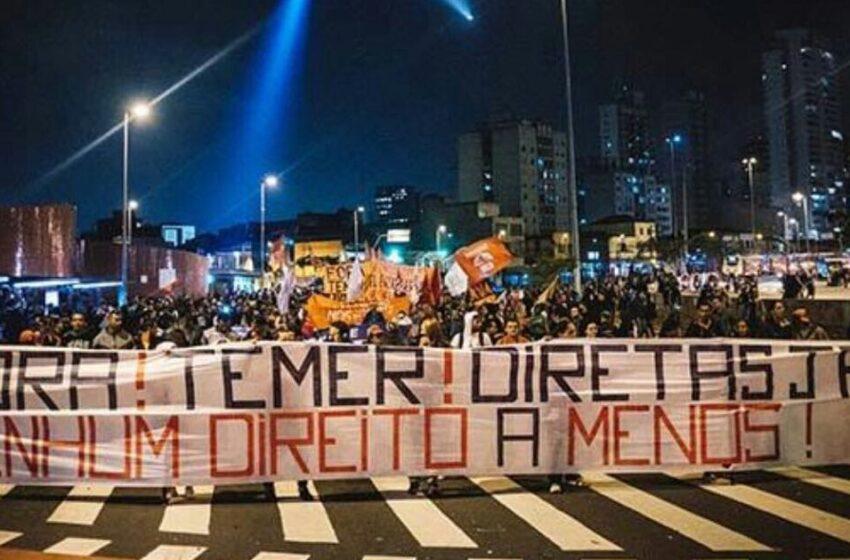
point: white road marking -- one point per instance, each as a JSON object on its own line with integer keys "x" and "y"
{"x": 73, "y": 546}
{"x": 5, "y": 489}
{"x": 703, "y": 531}
{"x": 174, "y": 552}
{"x": 81, "y": 506}
{"x": 813, "y": 477}
{"x": 303, "y": 521}
{"x": 789, "y": 510}
{"x": 421, "y": 516}
{"x": 191, "y": 516}
{"x": 8, "y": 536}
{"x": 280, "y": 556}
{"x": 370, "y": 557}
{"x": 560, "y": 528}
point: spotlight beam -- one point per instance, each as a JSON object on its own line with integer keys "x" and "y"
{"x": 462, "y": 7}
{"x": 206, "y": 65}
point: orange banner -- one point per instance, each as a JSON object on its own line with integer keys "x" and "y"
{"x": 483, "y": 259}
{"x": 323, "y": 310}
{"x": 382, "y": 280}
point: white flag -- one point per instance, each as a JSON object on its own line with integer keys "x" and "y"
{"x": 456, "y": 281}
{"x": 285, "y": 289}
{"x": 355, "y": 282}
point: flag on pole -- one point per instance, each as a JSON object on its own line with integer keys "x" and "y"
{"x": 547, "y": 294}
{"x": 355, "y": 282}
{"x": 457, "y": 282}
{"x": 483, "y": 259}
{"x": 285, "y": 289}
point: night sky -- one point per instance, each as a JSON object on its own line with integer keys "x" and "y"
{"x": 381, "y": 91}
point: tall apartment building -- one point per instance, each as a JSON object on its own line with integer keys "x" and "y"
{"x": 396, "y": 205}
{"x": 687, "y": 117}
{"x": 522, "y": 166}
{"x": 624, "y": 139}
{"x": 803, "y": 125}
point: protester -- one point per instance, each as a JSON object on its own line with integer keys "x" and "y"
{"x": 113, "y": 336}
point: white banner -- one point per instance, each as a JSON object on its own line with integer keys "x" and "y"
{"x": 251, "y": 413}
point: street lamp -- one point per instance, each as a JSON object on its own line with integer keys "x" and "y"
{"x": 784, "y": 217}
{"x": 137, "y": 112}
{"x": 750, "y": 164}
{"x": 571, "y": 150}
{"x": 441, "y": 230}
{"x": 270, "y": 181}
{"x": 357, "y": 212}
{"x": 795, "y": 226}
{"x": 674, "y": 140}
{"x": 132, "y": 206}
{"x": 800, "y": 198}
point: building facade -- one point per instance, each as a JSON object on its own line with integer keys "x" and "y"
{"x": 688, "y": 170}
{"x": 396, "y": 205}
{"x": 803, "y": 125}
{"x": 624, "y": 139}
{"x": 522, "y": 166}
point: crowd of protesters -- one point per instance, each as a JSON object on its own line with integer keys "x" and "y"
{"x": 634, "y": 306}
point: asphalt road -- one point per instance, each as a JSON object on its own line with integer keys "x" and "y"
{"x": 797, "y": 513}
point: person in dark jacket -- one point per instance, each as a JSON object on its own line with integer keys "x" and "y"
{"x": 704, "y": 326}
{"x": 776, "y": 324}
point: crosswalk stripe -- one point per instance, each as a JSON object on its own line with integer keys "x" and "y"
{"x": 421, "y": 516}
{"x": 8, "y": 536}
{"x": 560, "y": 528}
{"x": 813, "y": 477}
{"x": 191, "y": 517}
{"x": 373, "y": 557}
{"x": 5, "y": 489}
{"x": 306, "y": 522}
{"x": 280, "y": 556}
{"x": 791, "y": 511}
{"x": 74, "y": 546}
{"x": 81, "y": 506}
{"x": 703, "y": 531}
{"x": 174, "y": 552}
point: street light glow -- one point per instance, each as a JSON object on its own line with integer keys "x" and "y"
{"x": 361, "y": 209}
{"x": 797, "y": 197}
{"x": 271, "y": 181}
{"x": 140, "y": 110}
{"x": 442, "y": 228}
{"x": 133, "y": 205}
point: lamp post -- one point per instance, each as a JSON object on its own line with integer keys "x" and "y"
{"x": 784, "y": 217}
{"x": 139, "y": 111}
{"x": 357, "y": 213}
{"x": 571, "y": 151}
{"x": 800, "y": 198}
{"x": 132, "y": 206}
{"x": 749, "y": 164}
{"x": 441, "y": 230}
{"x": 795, "y": 237}
{"x": 674, "y": 140}
{"x": 270, "y": 181}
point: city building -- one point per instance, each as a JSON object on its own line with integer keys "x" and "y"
{"x": 803, "y": 125}
{"x": 396, "y": 206}
{"x": 522, "y": 166}
{"x": 445, "y": 225}
{"x": 624, "y": 139}
{"x": 605, "y": 190}
{"x": 684, "y": 159}
{"x": 177, "y": 234}
{"x": 615, "y": 243}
